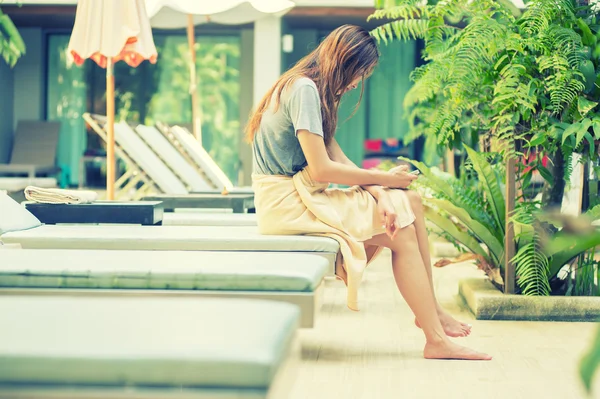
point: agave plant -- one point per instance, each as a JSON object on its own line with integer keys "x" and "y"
{"x": 474, "y": 216}
{"x": 477, "y": 213}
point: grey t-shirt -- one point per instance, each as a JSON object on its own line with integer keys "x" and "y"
{"x": 276, "y": 147}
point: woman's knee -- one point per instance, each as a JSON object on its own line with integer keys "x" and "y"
{"x": 407, "y": 236}
{"x": 415, "y": 200}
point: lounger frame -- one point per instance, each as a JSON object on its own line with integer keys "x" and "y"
{"x": 186, "y": 144}
{"x": 126, "y": 184}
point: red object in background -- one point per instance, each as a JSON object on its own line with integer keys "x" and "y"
{"x": 532, "y": 157}
{"x": 373, "y": 145}
{"x": 381, "y": 145}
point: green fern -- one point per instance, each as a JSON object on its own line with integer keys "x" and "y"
{"x": 379, "y": 4}
{"x": 565, "y": 42}
{"x": 488, "y": 71}
{"x": 402, "y": 11}
{"x": 540, "y": 14}
{"x": 532, "y": 269}
{"x": 568, "y": 162}
{"x": 532, "y": 266}
{"x": 407, "y": 29}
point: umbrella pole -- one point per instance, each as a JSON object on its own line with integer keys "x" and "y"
{"x": 110, "y": 130}
{"x": 196, "y": 123}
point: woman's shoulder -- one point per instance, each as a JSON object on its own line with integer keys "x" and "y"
{"x": 302, "y": 82}
{"x": 300, "y": 87}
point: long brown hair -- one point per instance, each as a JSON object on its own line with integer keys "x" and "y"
{"x": 346, "y": 53}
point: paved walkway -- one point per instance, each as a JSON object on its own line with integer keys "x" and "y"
{"x": 377, "y": 352}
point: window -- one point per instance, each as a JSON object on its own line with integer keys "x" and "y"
{"x": 151, "y": 93}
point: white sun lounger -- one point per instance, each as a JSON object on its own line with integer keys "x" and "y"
{"x": 169, "y": 238}
{"x": 294, "y": 278}
{"x": 208, "y": 219}
{"x": 173, "y": 158}
{"x": 152, "y": 170}
{"x": 189, "y": 146}
{"x": 198, "y": 155}
{"x": 19, "y": 226}
{"x": 57, "y": 347}
{"x": 135, "y": 147}
{"x": 143, "y": 165}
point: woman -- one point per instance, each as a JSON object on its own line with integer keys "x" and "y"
{"x": 296, "y": 157}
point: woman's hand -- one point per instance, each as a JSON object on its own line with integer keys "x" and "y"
{"x": 399, "y": 177}
{"x": 387, "y": 212}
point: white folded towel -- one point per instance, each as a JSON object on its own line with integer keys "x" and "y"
{"x": 59, "y": 196}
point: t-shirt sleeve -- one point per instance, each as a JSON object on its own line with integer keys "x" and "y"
{"x": 305, "y": 110}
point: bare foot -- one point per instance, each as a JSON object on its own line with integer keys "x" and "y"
{"x": 452, "y": 327}
{"x": 451, "y": 351}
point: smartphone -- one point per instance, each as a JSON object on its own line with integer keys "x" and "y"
{"x": 415, "y": 172}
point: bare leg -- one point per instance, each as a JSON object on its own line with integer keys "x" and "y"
{"x": 412, "y": 281}
{"x": 451, "y": 326}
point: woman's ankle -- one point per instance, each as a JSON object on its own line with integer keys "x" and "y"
{"x": 436, "y": 338}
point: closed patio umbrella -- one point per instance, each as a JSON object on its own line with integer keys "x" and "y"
{"x": 108, "y": 31}
{"x": 175, "y": 14}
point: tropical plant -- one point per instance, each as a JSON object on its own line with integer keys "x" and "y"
{"x": 471, "y": 214}
{"x": 526, "y": 82}
{"x": 532, "y": 266}
{"x": 549, "y": 241}
{"x": 585, "y": 275}
{"x": 12, "y": 46}
{"x": 575, "y": 237}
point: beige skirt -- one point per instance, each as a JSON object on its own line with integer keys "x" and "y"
{"x": 299, "y": 205}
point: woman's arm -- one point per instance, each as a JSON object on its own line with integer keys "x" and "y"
{"x": 323, "y": 169}
{"x": 337, "y": 155}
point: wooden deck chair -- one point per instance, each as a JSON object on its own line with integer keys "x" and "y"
{"x": 194, "y": 179}
{"x": 185, "y": 142}
{"x": 171, "y": 189}
{"x": 126, "y": 186}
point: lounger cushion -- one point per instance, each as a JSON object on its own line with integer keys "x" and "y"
{"x": 185, "y": 238}
{"x": 14, "y": 217}
{"x": 175, "y": 342}
{"x": 227, "y": 271}
{"x": 209, "y": 219}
